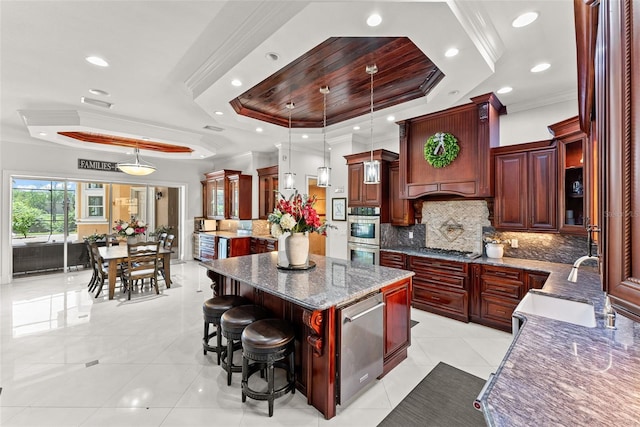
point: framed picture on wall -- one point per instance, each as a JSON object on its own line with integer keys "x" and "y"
{"x": 339, "y": 209}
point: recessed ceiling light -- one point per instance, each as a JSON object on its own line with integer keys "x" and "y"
{"x": 356, "y": 128}
{"x": 95, "y": 102}
{"x": 258, "y": 129}
{"x": 524, "y": 19}
{"x": 236, "y": 82}
{"x": 305, "y": 136}
{"x": 272, "y": 56}
{"x": 42, "y": 133}
{"x": 374, "y": 20}
{"x": 218, "y": 113}
{"x": 145, "y": 138}
{"x": 391, "y": 118}
{"x": 96, "y": 60}
{"x": 202, "y": 156}
{"x": 540, "y": 67}
{"x": 505, "y": 89}
{"x": 99, "y": 92}
{"x": 451, "y": 52}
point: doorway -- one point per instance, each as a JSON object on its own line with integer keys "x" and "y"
{"x": 317, "y": 242}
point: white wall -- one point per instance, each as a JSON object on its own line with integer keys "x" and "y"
{"x": 531, "y": 125}
{"x": 38, "y": 159}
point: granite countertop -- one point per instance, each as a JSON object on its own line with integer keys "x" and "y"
{"x": 558, "y": 373}
{"x": 332, "y": 282}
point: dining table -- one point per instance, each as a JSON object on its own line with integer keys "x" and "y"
{"x": 117, "y": 254}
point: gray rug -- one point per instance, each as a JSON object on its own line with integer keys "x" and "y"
{"x": 444, "y": 398}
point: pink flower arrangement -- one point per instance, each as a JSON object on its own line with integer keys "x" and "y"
{"x": 296, "y": 215}
{"x": 134, "y": 227}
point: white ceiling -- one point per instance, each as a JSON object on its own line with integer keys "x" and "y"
{"x": 171, "y": 64}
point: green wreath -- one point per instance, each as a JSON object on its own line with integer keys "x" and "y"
{"x": 441, "y": 149}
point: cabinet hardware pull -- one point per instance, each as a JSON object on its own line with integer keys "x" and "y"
{"x": 501, "y": 312}
{"x": 435, "y": 298}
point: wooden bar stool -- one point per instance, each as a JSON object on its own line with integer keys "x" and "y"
{"x": 268, "y": 344}
{"x": 233, "y": 322}
{"x": 213, "y": 309}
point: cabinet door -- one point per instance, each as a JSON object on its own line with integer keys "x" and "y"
{"x": 397, "y": 321}
{"x": 401, "y": 210}
{"x": 543, "y": 190}
{"x": 234, "y": 197}
{"x": 393, "y": 259}
{"x": 219, "y": 198}
{"x": 511, "y": 202}
{"x": 210, "y": 192}
{"x": 536, "y": 280}
{"x": 356, "y": 178}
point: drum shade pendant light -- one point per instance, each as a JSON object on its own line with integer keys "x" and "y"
{"x": 289, "y": 176}
{"x": 138, "y": 168}
{"x": 324, "y": 172}
{"x": 372, "y": 167}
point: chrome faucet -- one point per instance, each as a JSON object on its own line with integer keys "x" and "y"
{"x": 573, "y": 275}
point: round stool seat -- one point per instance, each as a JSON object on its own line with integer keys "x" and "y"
{"x": 268, "y": 335}
{"x": 268, "y": 344}
{"x": 216, "y": 306}
{"x": 233, "y": 322}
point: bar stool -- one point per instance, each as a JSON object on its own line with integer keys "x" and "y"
{"x": 212, "y": 309}
{"x": 269, "y": 344}
{"x": 233, "y": 322}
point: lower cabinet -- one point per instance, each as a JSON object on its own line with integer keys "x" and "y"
{"x": 393, "y": 259}
{"x": 261, "y": 245}
{"x": 496, "y": 291}
{"x": 440, "y": 286}
{"x": 397, "y": 323}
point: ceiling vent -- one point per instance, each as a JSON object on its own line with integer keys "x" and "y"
{"x": 96, "y": 102}
{"x": 213, "y": 128}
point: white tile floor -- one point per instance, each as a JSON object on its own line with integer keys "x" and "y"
{"x": 150, "y": 369}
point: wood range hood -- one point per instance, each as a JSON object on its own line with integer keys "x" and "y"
{"x": 476, "y": 127}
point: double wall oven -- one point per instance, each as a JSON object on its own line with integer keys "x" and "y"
{"x": 363, "y": 226}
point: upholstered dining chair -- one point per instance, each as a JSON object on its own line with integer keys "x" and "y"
{"x": 142, "y": 263}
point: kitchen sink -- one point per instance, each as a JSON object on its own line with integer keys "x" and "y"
{"x": 578, "y": 313}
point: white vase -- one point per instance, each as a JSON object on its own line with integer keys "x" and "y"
{"x": 297, "y": 249}
{"x": 495, "y": 250}
{"x": 282, "y": 253}
{"x": 133, "y": 239}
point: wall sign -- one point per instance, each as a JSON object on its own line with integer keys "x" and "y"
{"x": 98, "y": 165}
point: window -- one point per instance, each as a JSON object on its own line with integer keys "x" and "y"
{"x": 93, "y": 201}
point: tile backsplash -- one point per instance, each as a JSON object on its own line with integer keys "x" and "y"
{"x": 455, "y": 224}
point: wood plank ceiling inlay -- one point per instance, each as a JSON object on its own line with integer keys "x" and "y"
{"x": 404, "y": 73}
{"x": 120, "y": 141}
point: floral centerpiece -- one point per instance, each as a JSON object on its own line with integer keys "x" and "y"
{"x": 133, "y": 227}
{"x": 297, "y": 216}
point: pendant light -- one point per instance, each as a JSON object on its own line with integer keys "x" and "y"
{"x": 138, "y": 168}
{"x": 289, "y": 176}
{"x": 372, "y": 167}
{"x": 324, "y": 172}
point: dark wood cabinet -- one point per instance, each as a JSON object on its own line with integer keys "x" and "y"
{"x": 369, "y": 195}
{"x": 526, "y": 187}
{"x": 497, "y": 290}
{"x": 440, "y": 286}
{"x": 240, "y": 196}
{"x": 238, "y": 246}
{"x": 227, "y": 195}
{"x": 400, "y": 210}
{"x": 397, "y": 323}
{"x": 260, "y": 245}
{"x": 267, "y": 190}
{"x": 393, "y": 259}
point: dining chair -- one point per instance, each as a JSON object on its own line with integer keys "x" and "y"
{"x": 100, "y": 269}
{"x": 162, "y": 237}
{"x": 111, "y": 240}
{"x": 93, "y": 282}
{"x": 168, "y": 244}
{"x": 142, "y": 263}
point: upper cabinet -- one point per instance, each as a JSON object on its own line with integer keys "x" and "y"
{"x": 575, "y": 177}
{"x": 475, "y": 126}
{"x": 369, "y": 195}
{"x": 613, "y": 64}
{"x": 526, "y": 187}
{"x": 268, "y": 190}
{"x": 227, "y": 195}
{"x": 400, "y": 210}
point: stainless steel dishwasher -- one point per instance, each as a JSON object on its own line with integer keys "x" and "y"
{"x": 361, "y": 345}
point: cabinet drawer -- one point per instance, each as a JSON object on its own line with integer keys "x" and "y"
{"x": 498, "y": 309}
{"x": 502, "y": 288}
{"x": 505, "y": 273}
{"x": 392, "y": 259}
{"x": 418, "y": 263}
{"x": 445, "y": 301}
{"x": 439, "y": 280}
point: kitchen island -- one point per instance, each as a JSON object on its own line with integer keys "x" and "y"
{"x": 311, "y": 300}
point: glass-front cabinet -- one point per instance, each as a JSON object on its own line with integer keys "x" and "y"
{"x": 227, "y": 195}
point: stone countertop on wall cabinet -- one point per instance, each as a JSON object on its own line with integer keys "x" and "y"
{"x": 332, "y": 282}
{"x": 558, "y": 373}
